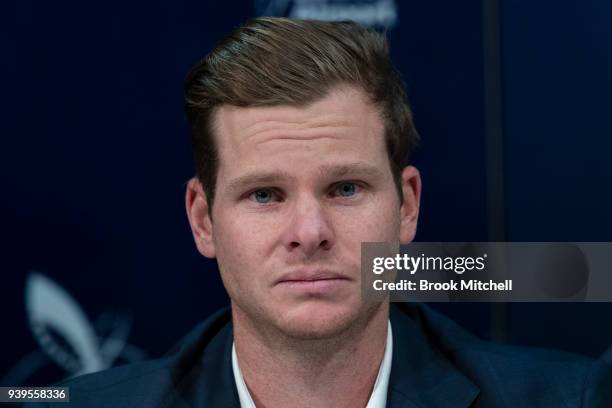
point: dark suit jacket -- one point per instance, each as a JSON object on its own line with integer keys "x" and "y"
{"x": 435, "y": 364}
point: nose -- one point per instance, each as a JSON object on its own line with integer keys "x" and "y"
{"x": 309, "y": 229}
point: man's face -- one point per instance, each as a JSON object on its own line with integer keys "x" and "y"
{"x": 298, "y": 190}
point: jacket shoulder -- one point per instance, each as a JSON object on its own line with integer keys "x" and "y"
{"x": 136, "y": 383}
{"x": 516, "y": 375}
{"x": 531, "y": 376}
{"x": 152, "y": 383}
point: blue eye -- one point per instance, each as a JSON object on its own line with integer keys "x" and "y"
{"x": 262, "y": 196}
{"x": 346, "y": 189}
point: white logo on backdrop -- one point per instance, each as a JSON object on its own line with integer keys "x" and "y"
{"x": 377, "y": 13}
{"x": 66, "y": 336}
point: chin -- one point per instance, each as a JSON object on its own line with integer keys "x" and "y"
{"x": 320, "y": 320}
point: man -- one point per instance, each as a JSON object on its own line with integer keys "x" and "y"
{"x": 300, "y": 133}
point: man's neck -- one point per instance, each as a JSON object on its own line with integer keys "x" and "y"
{"x": 282, "y": 371}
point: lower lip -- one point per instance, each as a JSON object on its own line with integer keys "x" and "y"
{"x": 314, "y": 287}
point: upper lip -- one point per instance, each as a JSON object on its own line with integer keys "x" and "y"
{"x": 310, "y": 275}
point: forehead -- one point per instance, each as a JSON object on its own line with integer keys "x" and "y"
{"x": 344, "y": 125}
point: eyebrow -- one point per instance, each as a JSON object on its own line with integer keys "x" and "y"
{"x": 357, "y": 169}
{"x": 244, "y": 181}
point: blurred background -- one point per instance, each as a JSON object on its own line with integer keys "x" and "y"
{"x": 512, "y": 99}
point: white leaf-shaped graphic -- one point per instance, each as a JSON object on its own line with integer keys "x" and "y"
{"x": 49, "y": 306}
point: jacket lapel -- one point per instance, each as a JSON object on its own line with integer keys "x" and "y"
{"x": 203, "y": 375}
{"x": 421, "y": 376}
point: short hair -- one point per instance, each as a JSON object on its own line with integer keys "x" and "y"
{"x": 279, "y": 61}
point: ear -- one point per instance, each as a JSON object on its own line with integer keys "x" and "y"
{"x": 409, "y": 211}
{"x": 199, "y": 218}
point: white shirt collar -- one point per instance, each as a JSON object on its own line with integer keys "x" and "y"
{"x": 378, "y": 398}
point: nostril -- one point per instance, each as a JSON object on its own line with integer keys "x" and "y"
{"x": 324, "y": 244}
{"x": 294, "y": 245}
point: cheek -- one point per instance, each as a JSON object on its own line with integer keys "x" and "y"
{"x": 233, "y": 241}
{"x": 242, "y": 242}
{"x": 377, "y": 222}
{"x": 233, "y": 247}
